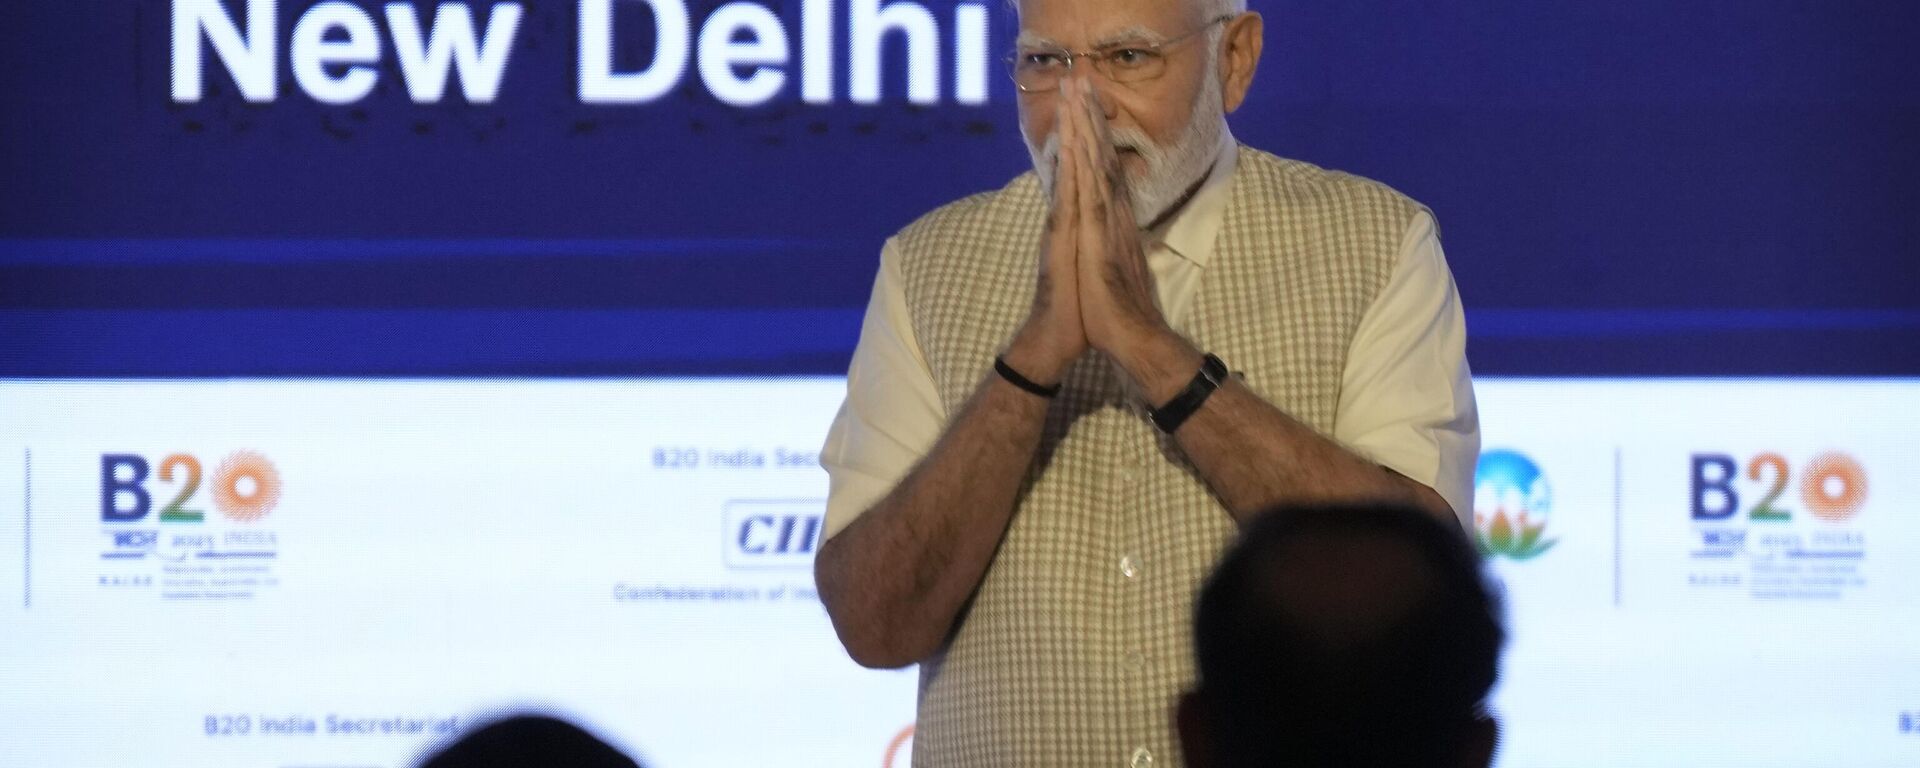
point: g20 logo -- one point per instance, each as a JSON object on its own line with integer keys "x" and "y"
{"x": 245, "y": 486}
{"x": 1833, "y": 486}
{"x": 1512, "y": 505}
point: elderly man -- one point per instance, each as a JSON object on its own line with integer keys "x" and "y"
{"x": 1070, "y": 391}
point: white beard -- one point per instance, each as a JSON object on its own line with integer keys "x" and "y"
{"x": 1172, "y": 171}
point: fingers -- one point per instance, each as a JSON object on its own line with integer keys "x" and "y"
{"x": 1097, "y": 131}
{"x": 1103, "y": 174}
{"x": 1102, "y": 136}
{"x": 1066, "y": 206}
{"x": 1068, "y": 130}
{"x": 1067, "y": 161}
{"x": 1089, "y": 141}
{"x": 1092, "y": 192}
{"x": 1064, "y": 222}
{"x": 1107, "y": 161}
{"x": 1068, "y": 178}
{"x": 1063, "y": 139}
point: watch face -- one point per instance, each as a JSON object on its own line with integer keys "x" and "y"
{"x": 1169, "y": 417}
{"x": 1214, "y": 370}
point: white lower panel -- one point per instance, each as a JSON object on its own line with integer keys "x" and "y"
{"x": 330, "y": 573}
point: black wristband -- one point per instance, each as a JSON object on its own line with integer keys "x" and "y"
{"x": 1212, "y": 374}
{"x": 1013, "y": 377}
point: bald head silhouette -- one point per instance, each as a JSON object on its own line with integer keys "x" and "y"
{"x": 1338, "y": 636}
{"x": 529, "y": 741}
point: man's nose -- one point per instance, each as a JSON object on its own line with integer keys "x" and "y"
{"x": 1097, "y": 84}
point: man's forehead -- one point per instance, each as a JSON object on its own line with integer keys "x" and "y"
{"x": 1127, "y": 34}
{"x": 1092, "y": 22}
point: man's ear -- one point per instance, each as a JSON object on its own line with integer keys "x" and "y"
{"x": 1239, "y": 57}
{"x": 1483, "y": 738}
{"x": 1190, "y": 719}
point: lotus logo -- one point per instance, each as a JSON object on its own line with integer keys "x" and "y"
{"x": 1511, "y": 506}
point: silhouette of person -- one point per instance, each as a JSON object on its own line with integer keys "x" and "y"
{"x": 1344, "y": 636}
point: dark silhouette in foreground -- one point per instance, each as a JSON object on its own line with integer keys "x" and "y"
{"x": 1344, "y": 636}
{"x": 529, "y": 741}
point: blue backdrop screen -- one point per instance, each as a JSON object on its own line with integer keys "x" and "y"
{"x": 1625, "y": 188}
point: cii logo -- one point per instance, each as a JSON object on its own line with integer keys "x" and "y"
{"x": 1833, "y": 487}
{"x": 244, "y": 487}
{"x": 773, "y": 533}
{"x": 1511, "y": 506}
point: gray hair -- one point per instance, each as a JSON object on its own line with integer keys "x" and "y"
{"x": 1212, "y": 8}
{"x": 1226, "y": 7}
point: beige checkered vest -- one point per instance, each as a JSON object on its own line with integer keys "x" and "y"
{"x": 1078, "y": 643}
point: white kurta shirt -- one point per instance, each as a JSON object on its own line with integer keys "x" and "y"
{"x": 1406, "y": 397}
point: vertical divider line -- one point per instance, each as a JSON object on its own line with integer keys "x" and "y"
{"x": 1616, "y": 526}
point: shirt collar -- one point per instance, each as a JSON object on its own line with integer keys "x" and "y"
{"x": 1191, "y": 232}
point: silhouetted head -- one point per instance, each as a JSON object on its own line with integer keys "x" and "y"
{"x": 1344, "y": 636}
{"x": 527, "y": 741}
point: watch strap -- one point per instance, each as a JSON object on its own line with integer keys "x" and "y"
{"x": 1013, "y": 377}
{"x": 1212, "y": 374}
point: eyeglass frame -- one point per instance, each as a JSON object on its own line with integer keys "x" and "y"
{"x": 1100, "y": 55}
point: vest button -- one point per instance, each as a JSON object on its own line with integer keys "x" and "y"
{"x": 1142, "y": 758}
{"x": 1129, "y": 567}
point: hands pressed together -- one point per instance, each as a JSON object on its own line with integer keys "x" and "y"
{"x": 1094, "y": 288}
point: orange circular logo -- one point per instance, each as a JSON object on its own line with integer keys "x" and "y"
{"x": 899, "y": 742}
{"x": 246, "y": 486}
{"x": 1835, "y": 488}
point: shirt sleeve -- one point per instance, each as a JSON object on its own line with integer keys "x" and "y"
{"x": 1406, "y": 396}
{"x": 892, "y": 415}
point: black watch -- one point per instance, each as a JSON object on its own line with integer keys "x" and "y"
{"x": 1212, "y": 374}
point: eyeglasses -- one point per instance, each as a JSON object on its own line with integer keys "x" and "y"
{"x": 1039, "y": 70}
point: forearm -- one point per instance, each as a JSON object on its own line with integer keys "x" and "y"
{"x": 1254, "y": 455}
{"x": 895, "y": 579}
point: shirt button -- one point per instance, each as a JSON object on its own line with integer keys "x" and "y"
{"x": 1129, "y": 567}
{"x": 1142, "y": 758}
{"x": 1136, "y": 660}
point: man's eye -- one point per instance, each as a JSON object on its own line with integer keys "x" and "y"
{"x": 1131, "y": 57}
{"x": 1041, "y": 60}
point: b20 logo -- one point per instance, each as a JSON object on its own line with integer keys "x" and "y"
{"x": 1833, "y": 486}
{"x": 245, "y": 487}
